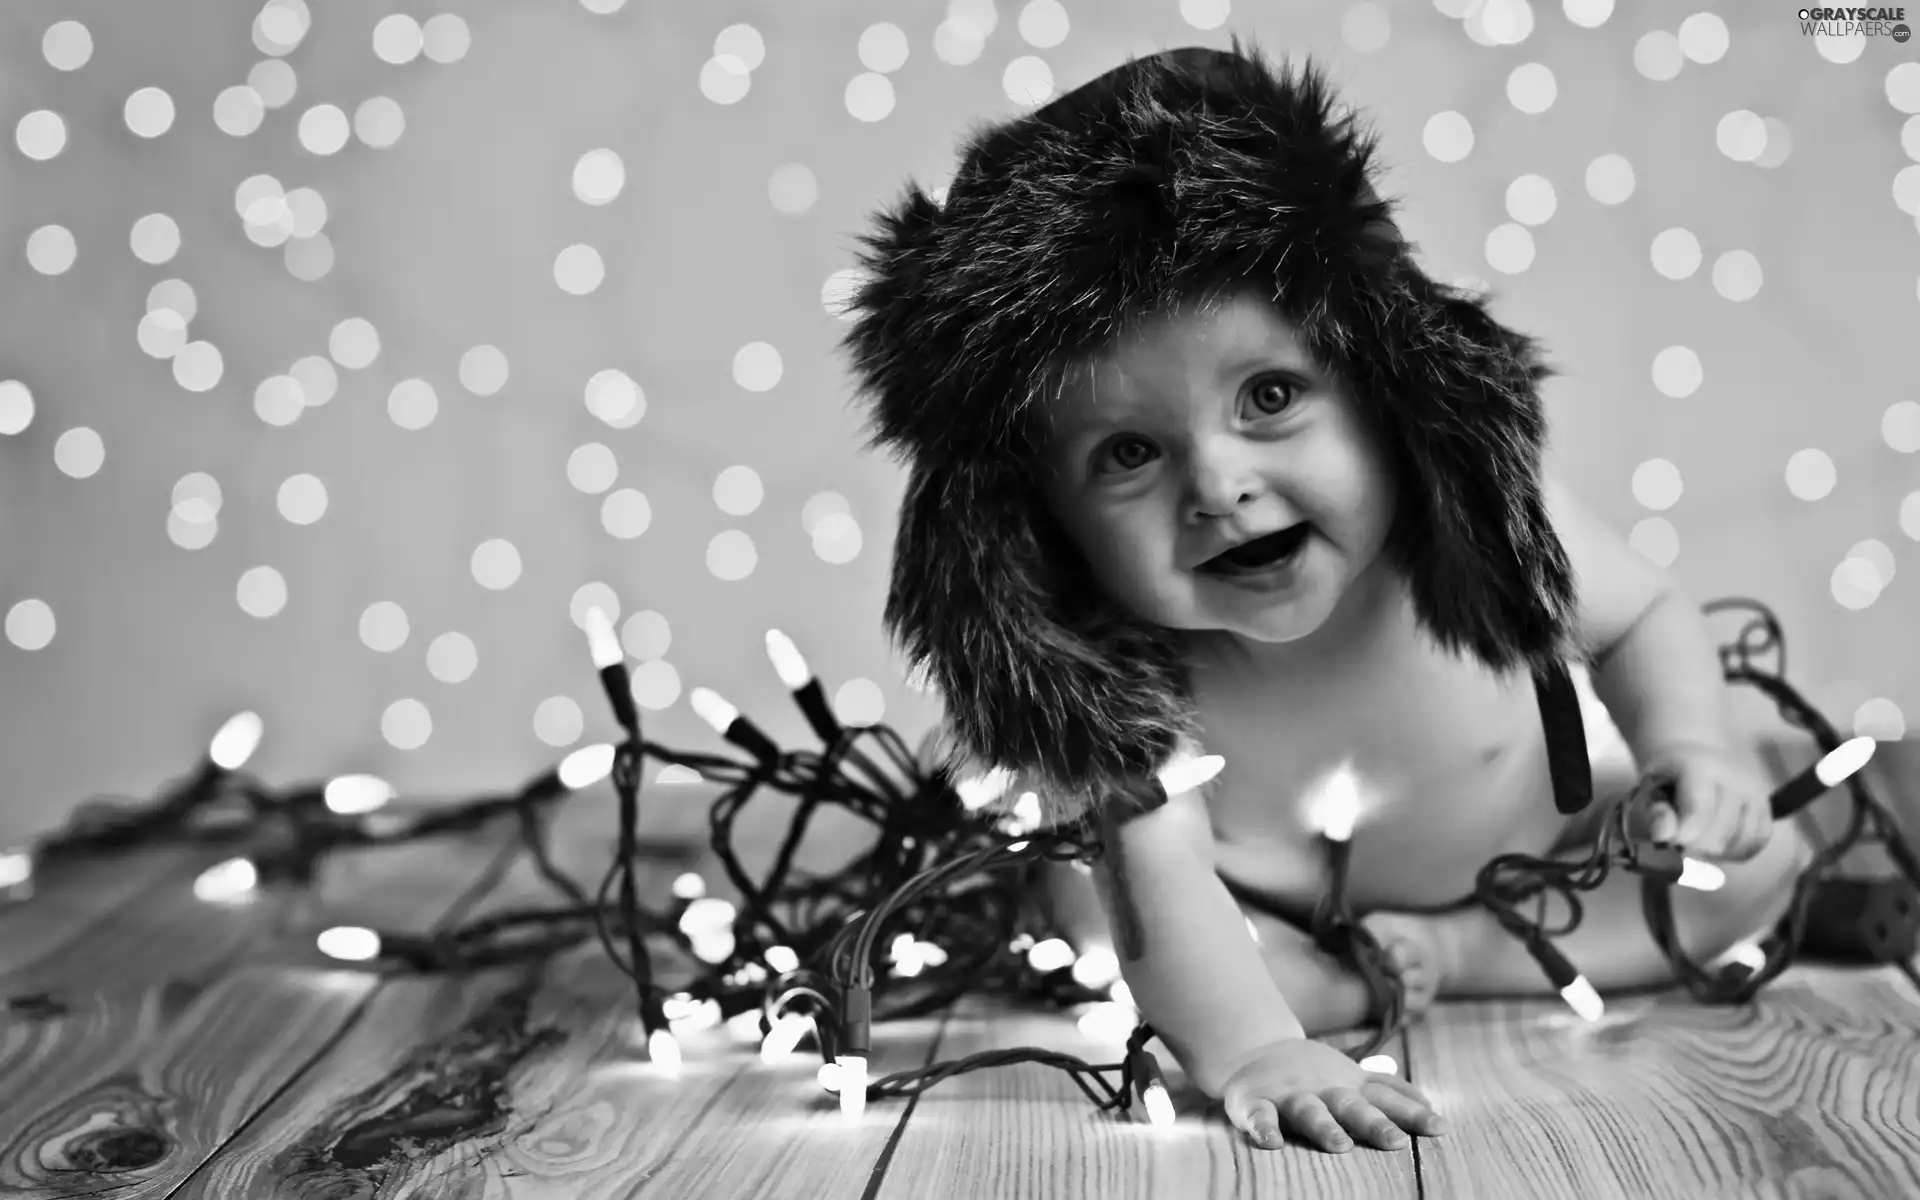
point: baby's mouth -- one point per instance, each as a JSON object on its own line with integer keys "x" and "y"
{"x": 1259, "y": 554}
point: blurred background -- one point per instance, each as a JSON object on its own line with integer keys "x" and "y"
{"x": 350, "y": 351}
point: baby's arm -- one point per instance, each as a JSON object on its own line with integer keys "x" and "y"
{"x": 1194, "y": 970}
{"x": 1657, "y": 670}
{"x": 1199, "y": 980}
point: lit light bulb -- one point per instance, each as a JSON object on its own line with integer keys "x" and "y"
{"x": 1747, "y": 954}
{"x": 1380, "y": 1064}
{"x": 1107, "y": 1022}
{"x": 852, "y": 1080}
{"x": 664, "y": 1049}
{"x": 787, "y": 662}
{"x": 1050, "y": 955}
{"x": 1151, "y": 1084}
{"x": 233, "y": 879}
{"x": 982, "y": 790}
{"x": 707, "y": 915}
{"x": 712, "y": 946}
{"x": 236, "y": 741}
{"x": 906, "y": 963}
{"x": 829, "y": 1076}
{"x": 1186, "y": 771}
{"x": 697, "y": 1015}
{"x": 785, "y": 1034}
{"x": 1335, "y": 805}
{"x": 601, "y": 641}
{"x": 690, "y": 886}
{"x": 587, "y": 766}
{"x": 1026, "y": 811}
{"x": 1584, "y": 1001}
{"x": 782, "y": 959}
{"x": 1840, "y": 763}
{"x": 351, "y": 794}
{"x": 1096, "y": 967}
{"x": 712, "y": 708}
{"x": 1833, "y": 769}
{"x": 1701, "y": 876}
{"x": 16, "y": 868}
{"x": 1122, "y": 994}
{"x": 912, "y": 957}
{"x": 1159, "y": 1104}
{"x": 349, "y": 943}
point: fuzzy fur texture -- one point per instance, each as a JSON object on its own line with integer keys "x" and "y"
{"x": 1158, "y": 184}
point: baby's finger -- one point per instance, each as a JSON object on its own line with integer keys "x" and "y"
{"x": 1758, "y": 829}
{"x": 1307, "y": 1116}
{"x": 1713, "y": 824}
{"x": 1364, "y": 1121}
{"x": 1261, "y": 1124}
{"x": 1410, "y": 1112}
{"x": 1662, "y": 823}
{"x": 1730, "y": 825}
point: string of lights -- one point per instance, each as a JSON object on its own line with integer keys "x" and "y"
{"x": 1889, "y": 919}
{"x": 935, "y": 908}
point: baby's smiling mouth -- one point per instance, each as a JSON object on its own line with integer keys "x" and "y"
{"x": 1259, "y": 554}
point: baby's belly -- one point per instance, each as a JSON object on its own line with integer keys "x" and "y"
{"x": 1421, "y": 845}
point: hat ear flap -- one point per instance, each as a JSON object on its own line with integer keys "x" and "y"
{"x": 1034, "y": 669}
{"x": 1485, "y": 567}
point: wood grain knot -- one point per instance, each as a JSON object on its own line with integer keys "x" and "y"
{"x": 116, "y": 1130}
{"x": 452, "y": 1092}
{"x": 37, "y": 1006}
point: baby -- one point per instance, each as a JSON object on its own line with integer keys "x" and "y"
{"x": 1199, "y": 456}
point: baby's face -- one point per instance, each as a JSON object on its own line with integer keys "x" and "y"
{"x": 1216, "y": 479}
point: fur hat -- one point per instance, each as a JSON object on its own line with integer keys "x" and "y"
{"x": 1158, "y": 183}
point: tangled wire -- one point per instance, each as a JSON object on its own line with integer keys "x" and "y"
{"x": 934, "y": 908}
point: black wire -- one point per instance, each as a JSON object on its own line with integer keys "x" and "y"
{"x": 935, "y": 871}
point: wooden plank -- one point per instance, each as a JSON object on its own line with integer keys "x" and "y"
{"x": 1809, "y": 1091}
{"x": 1027, "y": 1130}
{"x": 66, "y": 899}
{"x": 531, "y": 1082}
{"x": 177, "y": 1019}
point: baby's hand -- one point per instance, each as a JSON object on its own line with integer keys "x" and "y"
{"x": 1721, "y": 808}
{"x": 1324, "y": 1096}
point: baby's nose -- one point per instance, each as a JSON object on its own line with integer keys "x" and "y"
{"x": 1221, "y": 481}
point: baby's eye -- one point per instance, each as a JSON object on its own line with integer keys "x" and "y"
{"x": 1272, "y": 396}
{"x": 1127, "y": 454}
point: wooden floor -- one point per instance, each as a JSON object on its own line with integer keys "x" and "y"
{"x": 158, "y": 1046}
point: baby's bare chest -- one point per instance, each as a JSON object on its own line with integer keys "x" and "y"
{"x": 1447, "y": 762}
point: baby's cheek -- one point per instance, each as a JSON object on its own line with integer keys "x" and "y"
{"x": 1159, "y": 595}
{"x": 1134, "y": 570}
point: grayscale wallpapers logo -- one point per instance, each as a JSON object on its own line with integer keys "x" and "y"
{"x": 1845, "y": 22}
